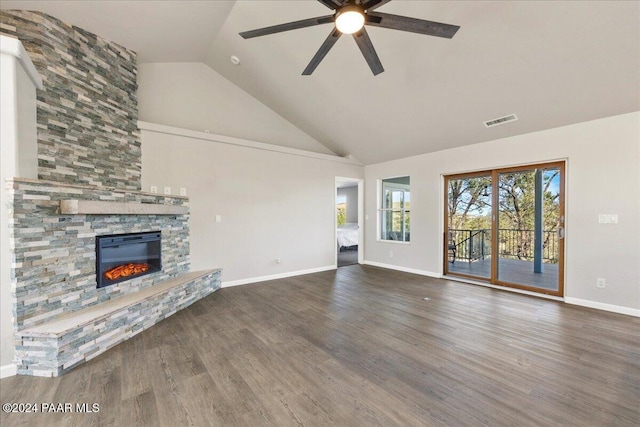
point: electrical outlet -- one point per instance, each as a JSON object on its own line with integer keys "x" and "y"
{"x": 167, "y": 190}
{"x": 218, "y": 218}
{"x": 153, "y": 189}
{"x": 601, "y": 283}
{"x": 183, "y": 191}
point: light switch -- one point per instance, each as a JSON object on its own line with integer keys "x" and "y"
{"x": 183, "y": 191}
{"x": 153, "y": 189}
{"x": 218, "y": 218}
{"x": 608, "y": 219}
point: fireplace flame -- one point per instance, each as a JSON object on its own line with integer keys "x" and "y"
{"x": 126, "y": 270}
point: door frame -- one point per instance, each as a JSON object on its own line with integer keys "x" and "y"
{"x": 360, "y": 184}
{"x": 494, "y": 172}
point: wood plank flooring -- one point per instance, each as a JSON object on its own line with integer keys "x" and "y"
{"x": 348, "y": 256}
{"x": 357, "y": 346}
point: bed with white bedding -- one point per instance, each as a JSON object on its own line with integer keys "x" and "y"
{"x": 347, "y": 235}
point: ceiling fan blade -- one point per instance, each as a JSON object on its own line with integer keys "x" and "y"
{"x": 331, "y": 4}
{"x": 288, "y": 26}
{"x": 404, "y": 23}
{"x": 322, "y": 52}
{"x": 366, "y": 47}
{"x": 374, "y": 4}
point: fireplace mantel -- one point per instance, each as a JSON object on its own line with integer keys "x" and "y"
{"x": 94, "y": 207}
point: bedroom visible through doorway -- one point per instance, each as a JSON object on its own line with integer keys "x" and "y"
{"x": 348, "y": 221}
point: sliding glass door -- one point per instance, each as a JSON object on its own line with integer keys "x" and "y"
{"x": 513, "y": 236}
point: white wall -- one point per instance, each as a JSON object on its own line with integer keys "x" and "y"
{"x": 603, "y": 176}
{"x": 193, "y": 96}
{"x": 7, "y": 169}
{"x": 273, "y": 205}
{"x": 351, "y": 194}
{"x": 18, "y": 158}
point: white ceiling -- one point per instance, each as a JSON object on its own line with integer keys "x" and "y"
{"x": 551, "y": 63}
{"x": 159, "y": 31}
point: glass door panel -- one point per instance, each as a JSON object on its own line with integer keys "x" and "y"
{"x": 530, "y": 228}
{"x": 468, "y": 238}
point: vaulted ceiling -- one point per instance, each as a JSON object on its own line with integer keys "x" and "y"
{"x": 550, "y": 63}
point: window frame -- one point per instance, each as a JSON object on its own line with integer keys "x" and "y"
{"x": 405, "y": 213}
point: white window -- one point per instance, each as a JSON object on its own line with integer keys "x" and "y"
{"x": 394, "y": 211}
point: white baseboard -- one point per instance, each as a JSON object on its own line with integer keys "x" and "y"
{"x": 276, "y": 276}
{"x": 602, "y": 306}
{"x": 8, "y": 370}
{"x": 404, "y": 269}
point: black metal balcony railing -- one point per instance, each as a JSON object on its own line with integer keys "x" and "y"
{"x": 472, "y": 245}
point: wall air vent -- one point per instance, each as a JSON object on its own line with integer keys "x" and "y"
{"x": 500, "y": 121}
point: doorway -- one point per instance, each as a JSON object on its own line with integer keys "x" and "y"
{"x": 348, "y": 221}
{"x": 506, "y": 227}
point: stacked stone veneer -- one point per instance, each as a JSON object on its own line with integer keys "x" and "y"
{"x": 88, "y": 149}
{"x": 54, "y": 268}
{"x": 88, "y": 111}
{"x": 49, "y": 354}
{"x": 54, "y": 274}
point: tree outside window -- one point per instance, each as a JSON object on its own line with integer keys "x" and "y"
{"x": 341, "y": 210}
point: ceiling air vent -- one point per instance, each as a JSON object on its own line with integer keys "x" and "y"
{"x": 500, "y": 121}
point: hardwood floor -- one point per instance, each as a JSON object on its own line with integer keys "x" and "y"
{"x": 358, "y": 346}
{"x": 348, "y": 256}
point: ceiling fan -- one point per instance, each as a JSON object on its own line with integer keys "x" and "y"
{"x": 350, "y": 17}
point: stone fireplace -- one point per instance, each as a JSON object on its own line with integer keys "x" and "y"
{"x": 55, "y": 252}
{"x": 61, "y": 317}
{"x": 87, "y": 187}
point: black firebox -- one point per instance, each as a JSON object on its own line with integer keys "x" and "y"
{"x": 121, "y": 257}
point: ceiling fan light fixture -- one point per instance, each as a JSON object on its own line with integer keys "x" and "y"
{"x": 349, "y": 19}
